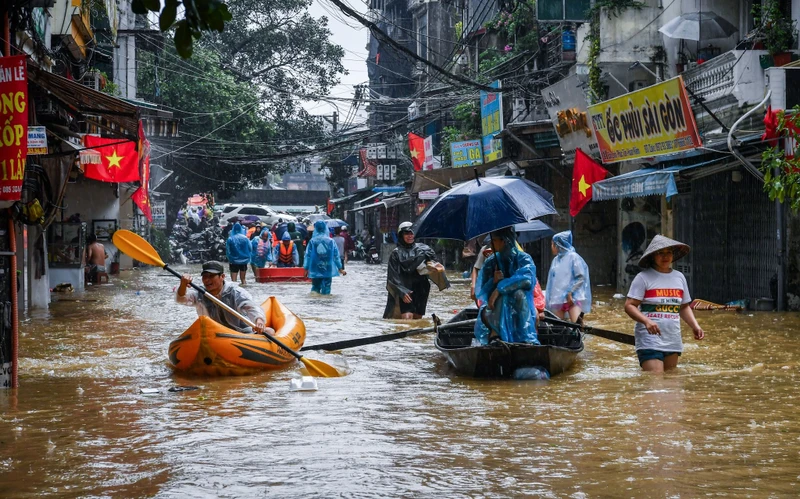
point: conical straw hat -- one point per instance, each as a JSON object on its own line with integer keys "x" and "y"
{"x": 679, "y": 250}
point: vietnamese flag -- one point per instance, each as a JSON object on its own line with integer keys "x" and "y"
{"x": 585, "y": 173}
{"x": 119, "y": 160}
{"x": 142, "y": 196}
{"x": 416, "y": 147}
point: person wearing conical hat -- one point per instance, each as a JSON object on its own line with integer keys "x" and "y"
{"x": 657, "y": 300}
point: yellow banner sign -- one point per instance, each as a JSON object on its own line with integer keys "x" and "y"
{"x": 650, "y": 122}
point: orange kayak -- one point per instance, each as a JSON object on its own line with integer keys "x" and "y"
{"x": 210, "y": 349}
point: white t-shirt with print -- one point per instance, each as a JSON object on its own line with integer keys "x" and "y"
{"x": 662, "y": 296}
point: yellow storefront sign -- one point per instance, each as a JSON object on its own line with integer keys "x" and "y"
{"x": 650, "y": 122}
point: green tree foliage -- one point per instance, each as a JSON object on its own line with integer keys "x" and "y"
{"x": 782, "y": 173}
{"x": 222, "y": 118}
{"x": 279, "y": 45}
{"x": 199, "y": 16}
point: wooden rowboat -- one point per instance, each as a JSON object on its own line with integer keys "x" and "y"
{"x": 208, "y": 348}
{"x": 560, "y": 346}
{"x": 281, "y": 274}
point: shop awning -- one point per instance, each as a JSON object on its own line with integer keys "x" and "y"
{"x": 389, "y": 188}
{"x": 121, "y": 117}
{"x": 444, "y": 178}
{"x": 361, "y": 202}
{"x": 387, "y": 203}
{"x": 644, "y": 182}
{"x": 342, "y": 199}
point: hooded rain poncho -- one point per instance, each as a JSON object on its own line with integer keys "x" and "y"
{"x": 514, "y": 314}
{"x": 237, "y": 247}
{"x": 568, "y": 274}
{"x": 261, "y": 249}
{"x": 322, "y": 256}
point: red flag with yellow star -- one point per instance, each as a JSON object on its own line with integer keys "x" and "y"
{"x": 119, "y": 160}
{"x": 416, "y": 147}
{"x": 142, "y": 195}
{"x": 585, "y": 173}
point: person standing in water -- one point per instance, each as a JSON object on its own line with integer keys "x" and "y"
{"x": 410, "y": 267}
{"x": 657, "y": 300}
{"x": 322, "y": 260}
{"x": 568, "y": 289}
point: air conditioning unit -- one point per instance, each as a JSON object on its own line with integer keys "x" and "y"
{"x": 785, "y": 86}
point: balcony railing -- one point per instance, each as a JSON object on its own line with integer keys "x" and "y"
{"x": 728, "y": 84}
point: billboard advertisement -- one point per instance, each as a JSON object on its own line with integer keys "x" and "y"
{"x": 14, "y": 119}
{"x": 466, "y": 153}
{"x": 492, "y": 122}
{"x": 649, "y": 122}
{"x": 566, "y": 105}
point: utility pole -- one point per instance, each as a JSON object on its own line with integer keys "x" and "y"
{"x": 333, "y": 119}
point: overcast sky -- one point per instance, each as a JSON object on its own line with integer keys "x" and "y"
{"x": 353, "y": 38}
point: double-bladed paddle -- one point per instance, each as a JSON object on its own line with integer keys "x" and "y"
{"x": 139, "y": 249}
{"x": 603, "y": 333}
{"x": 369, "y": 340}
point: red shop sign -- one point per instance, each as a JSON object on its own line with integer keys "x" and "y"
{"x": 13, "y": 125}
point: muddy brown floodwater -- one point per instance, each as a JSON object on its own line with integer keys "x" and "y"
{"x": 401, "y": 424}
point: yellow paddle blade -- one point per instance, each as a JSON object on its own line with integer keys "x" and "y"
{"x": 136, "y": 247}
{"x": 321, "y": 369}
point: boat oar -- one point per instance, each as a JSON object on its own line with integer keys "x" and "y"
{"x": 369, "y": 340}
{"x": 609, "y": 335}
{"x": 139, "y": 249}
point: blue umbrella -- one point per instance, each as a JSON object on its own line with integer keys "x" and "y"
{"x": 334, "y": 223}
{"x": 483, "y": 205}
{"x": 530, "y": 232}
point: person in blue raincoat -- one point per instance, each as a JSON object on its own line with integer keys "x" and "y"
{"x": 237, "y": 249}
{"x": 261, "y": 250}
{"x": 568, "y": 287}
{"x": 322, "y": 261}
{"x": 504, "y": 291}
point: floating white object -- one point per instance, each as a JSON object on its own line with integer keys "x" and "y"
{"x": 304, "y": 384}
{"x": 619, "y": 296}
{"x": 148, "y": 391}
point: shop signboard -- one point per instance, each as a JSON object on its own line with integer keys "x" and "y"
{"x": 429, "y": 194}
{"x": 37, "y": 140}
{"x": 13, "y": 125}
{"x": 428, "y": 148}
{"x": 566, "y": 105}
{"x": 650, "y": 122}
{"x": 466, "y": 153}
{"x": 492, "y": 122}
{"x": 159, "y": 211}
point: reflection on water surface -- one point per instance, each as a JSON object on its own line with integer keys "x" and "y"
{"x": 400, "y": 424}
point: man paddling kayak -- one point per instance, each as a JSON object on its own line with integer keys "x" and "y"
{"x": 235, "y": 297}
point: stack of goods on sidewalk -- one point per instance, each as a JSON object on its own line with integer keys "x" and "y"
{"x": 195, "y": 243}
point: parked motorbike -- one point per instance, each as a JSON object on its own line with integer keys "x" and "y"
{"x": 359, "y": 253}
{"x": 372, "y": 255}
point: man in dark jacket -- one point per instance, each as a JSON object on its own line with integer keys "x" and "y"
{"x": 298, "y": 238}
{"x": 411, "y": 264}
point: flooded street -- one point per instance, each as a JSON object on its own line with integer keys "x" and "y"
{"x": 401, "y": 424}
